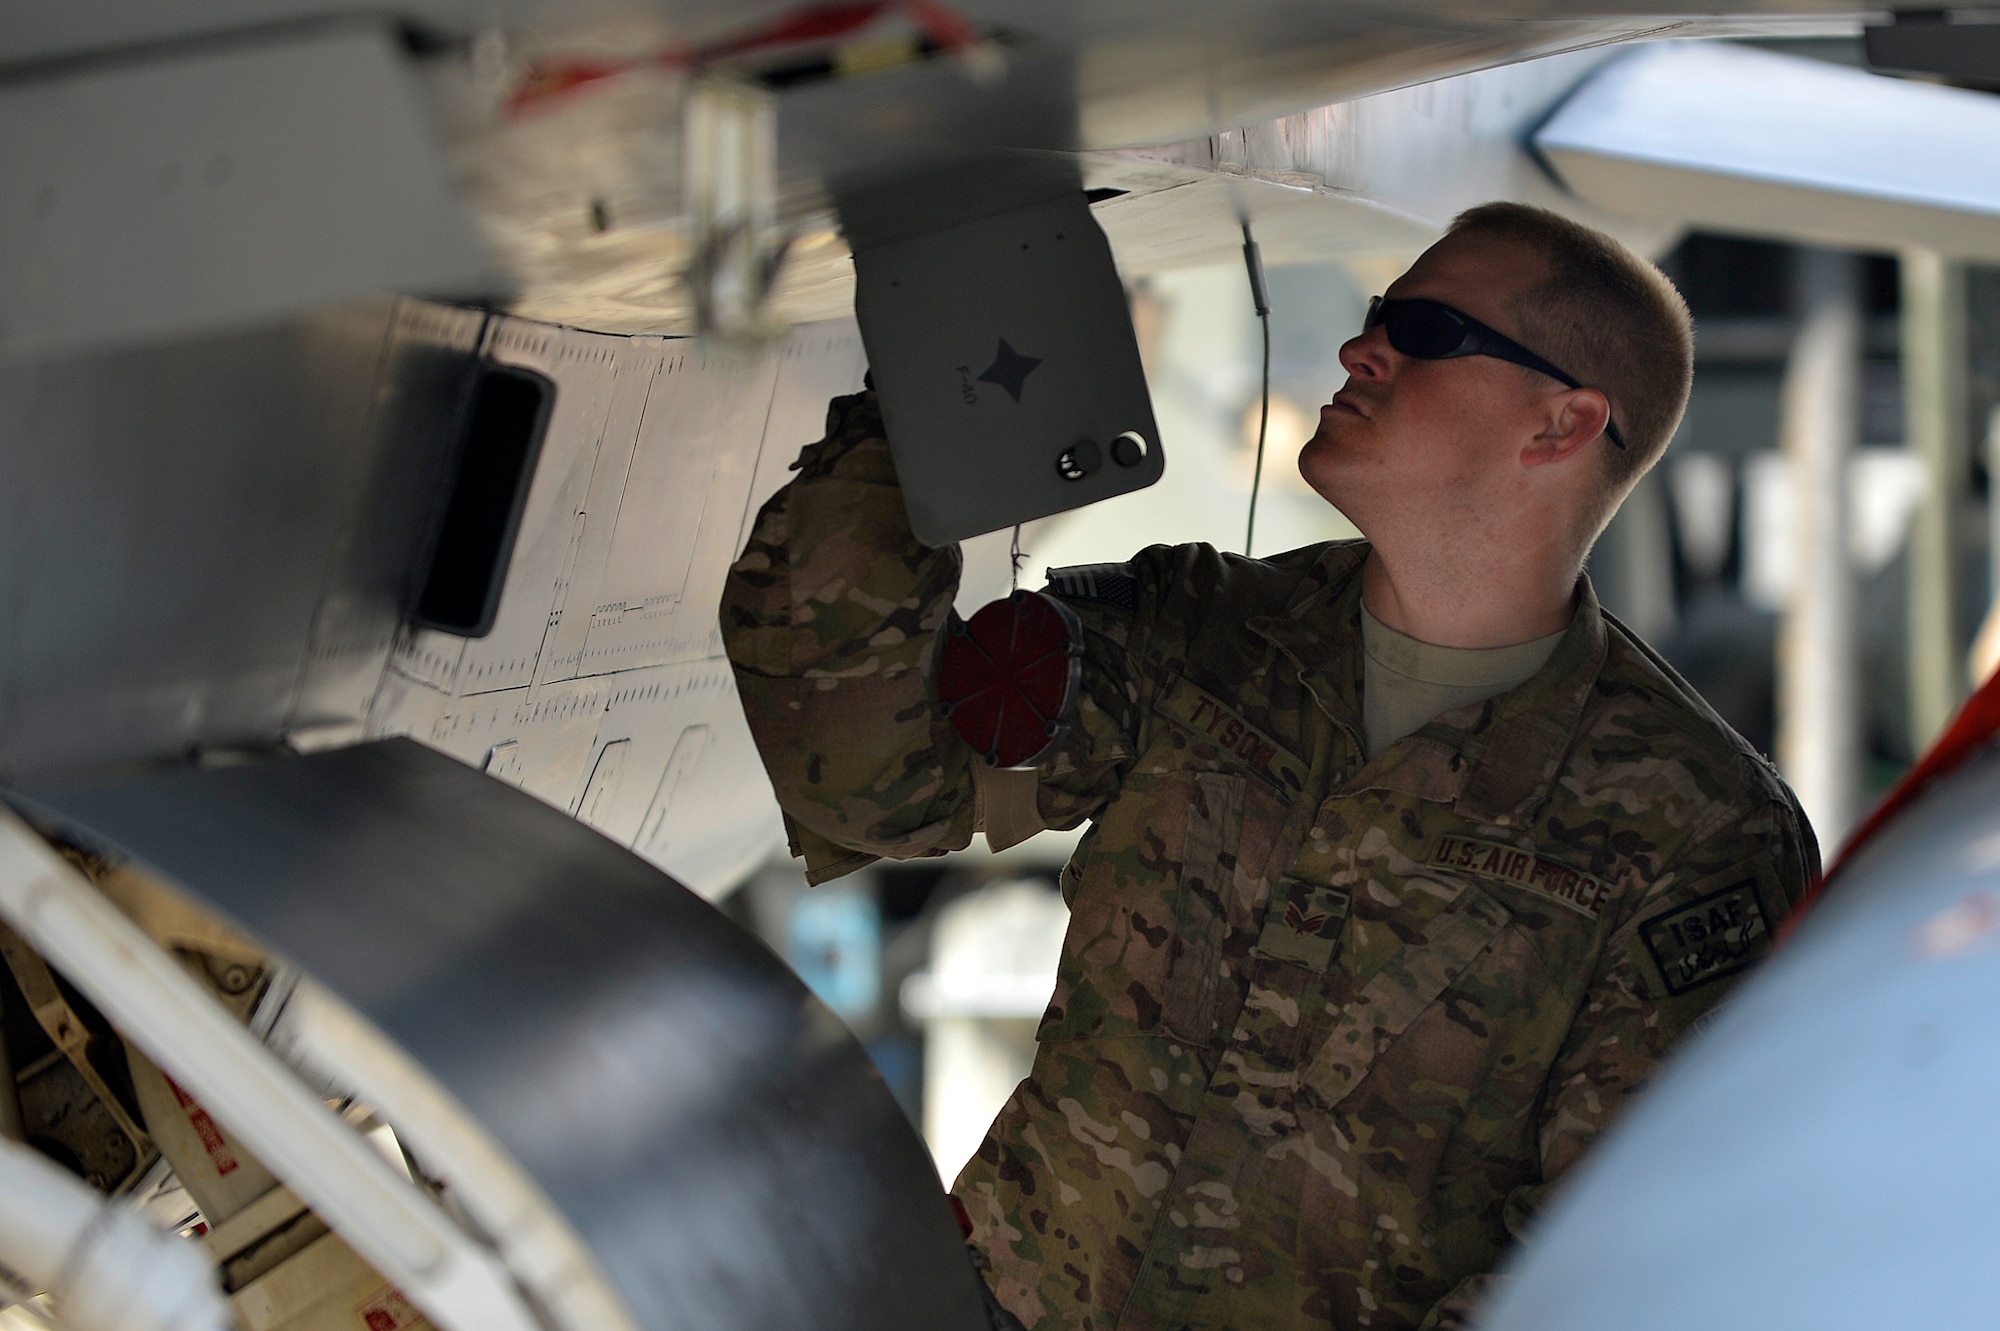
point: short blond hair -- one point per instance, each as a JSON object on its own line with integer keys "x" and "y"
{"x": 1608, "y": 317}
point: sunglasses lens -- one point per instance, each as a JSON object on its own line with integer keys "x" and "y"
{"x": 1426, "y": 332}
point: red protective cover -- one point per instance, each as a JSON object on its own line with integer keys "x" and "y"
{"x": 1009, "y": 675}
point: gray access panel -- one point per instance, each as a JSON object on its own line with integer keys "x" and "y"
{"x": 1009, "y": 374}
{"x": 219, "y": 187}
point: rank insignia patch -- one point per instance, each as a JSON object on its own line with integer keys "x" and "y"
{"x": 1716, "y": 936}
{"x": 1303, "y": 924}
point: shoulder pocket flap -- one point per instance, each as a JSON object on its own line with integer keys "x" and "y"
{"x": 1395, "y": 995}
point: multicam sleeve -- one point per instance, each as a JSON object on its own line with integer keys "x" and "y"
{"x": 832, "y": 618}
{"x": 1710, "y": 917}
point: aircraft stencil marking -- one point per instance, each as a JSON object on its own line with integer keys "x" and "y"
{"x": 1010, "y": 369}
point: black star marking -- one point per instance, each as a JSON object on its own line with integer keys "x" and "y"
{"x": 1010, "y": 369}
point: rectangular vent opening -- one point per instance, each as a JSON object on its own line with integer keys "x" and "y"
{"x": 496, "y": 461}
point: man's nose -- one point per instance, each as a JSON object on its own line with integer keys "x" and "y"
{"x": 1367, "y": 355}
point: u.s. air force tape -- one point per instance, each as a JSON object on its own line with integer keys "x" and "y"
{"x": 1581, "y": 892}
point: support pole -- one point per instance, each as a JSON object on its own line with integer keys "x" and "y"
{"x": 1985, "y": 653}
{"x": 1819, "y": 730}
{"x": 1992, "y": 446}
{"x": 1934, "y": 396}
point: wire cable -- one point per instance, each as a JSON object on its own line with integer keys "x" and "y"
{"x": 1260, "y": 297}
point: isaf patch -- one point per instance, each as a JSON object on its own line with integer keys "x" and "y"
{"x": 1303, "y": 924}
{"x": 1581, "y": 892}
{"x": 1716, "y": 936}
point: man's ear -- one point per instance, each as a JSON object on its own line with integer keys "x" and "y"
{"x": 1573, "y": 420}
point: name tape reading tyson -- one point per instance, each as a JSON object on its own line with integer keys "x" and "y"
{"x": 1194, "y": 709}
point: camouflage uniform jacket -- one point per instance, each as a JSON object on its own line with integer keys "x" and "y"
{"x": 1324, "y": 1028}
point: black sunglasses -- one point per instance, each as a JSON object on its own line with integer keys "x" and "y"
{"x": 1432, "y": 330}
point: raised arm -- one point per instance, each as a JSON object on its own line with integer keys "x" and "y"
{"x": 832, "y": 619}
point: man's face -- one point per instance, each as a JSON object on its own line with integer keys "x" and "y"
{"x": 1408, "y": 439}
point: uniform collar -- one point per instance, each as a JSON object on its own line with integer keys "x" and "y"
{"x": 1320, "y": 632}
{"x": 1494, "y": 761}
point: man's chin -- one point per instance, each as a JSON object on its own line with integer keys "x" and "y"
{"x": 1330, "y": 476}
{"x": 1320, "y": 462}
